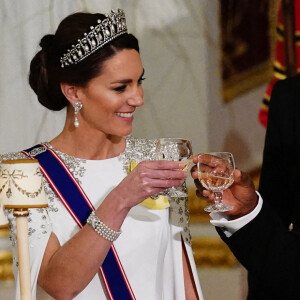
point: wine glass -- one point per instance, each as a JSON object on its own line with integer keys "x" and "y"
{"x": 215, "y": 172}
{"x": 178, "y": 150}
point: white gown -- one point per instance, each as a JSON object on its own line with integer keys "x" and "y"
{"x": 149, "y": 247}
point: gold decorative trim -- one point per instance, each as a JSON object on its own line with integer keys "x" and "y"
{"x": 246, "y": 81}
{"x": 212, "y": 252}
{"x": 4, "y": 232}
{"x": 19, "y": 161}
{"x": 259, "y": 74}
{"x": 6, "y": 260}
{"x": 25, "y": 206}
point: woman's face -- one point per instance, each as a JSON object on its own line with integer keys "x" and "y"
{"x": 110, "y": 99}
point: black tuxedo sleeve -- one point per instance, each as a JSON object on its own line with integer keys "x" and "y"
{"x": 279, "y": 165}
{"x": 271, "y": 254}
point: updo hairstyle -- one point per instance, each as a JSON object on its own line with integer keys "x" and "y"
{"x": 46, "y": 72}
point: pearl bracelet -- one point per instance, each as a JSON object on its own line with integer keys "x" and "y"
{"x": 101, "y": 228}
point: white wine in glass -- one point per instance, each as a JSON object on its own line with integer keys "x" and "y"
{"x": 215, "y": 173}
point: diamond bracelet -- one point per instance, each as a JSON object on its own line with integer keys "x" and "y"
{"x": 101, "y": 228}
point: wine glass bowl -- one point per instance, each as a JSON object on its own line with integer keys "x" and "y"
{"x": 215, "y": 173}
{"x": 175, "y": 149}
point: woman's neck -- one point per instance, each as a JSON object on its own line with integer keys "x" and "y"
{"x": 87, "y": 146}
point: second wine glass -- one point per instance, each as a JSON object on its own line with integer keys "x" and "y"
{"x": 176, "y": 149}
{"x": 215, "y": 173}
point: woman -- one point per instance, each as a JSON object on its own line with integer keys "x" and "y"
{"x": 92, "y": 66}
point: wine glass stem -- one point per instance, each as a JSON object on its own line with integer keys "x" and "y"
{"x": 218, "y": 197}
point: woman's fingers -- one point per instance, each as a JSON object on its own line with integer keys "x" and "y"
{"x": 151, "y": 177}
{"x": 162, "y": 164}
{"x": 163, "y": 170}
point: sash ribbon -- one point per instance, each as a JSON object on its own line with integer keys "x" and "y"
{"x": 79, "y": 206}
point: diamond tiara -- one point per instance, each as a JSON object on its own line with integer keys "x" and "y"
{"x": 108, "y": 29}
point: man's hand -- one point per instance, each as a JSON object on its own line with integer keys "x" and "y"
{"x": 241, "y": 194}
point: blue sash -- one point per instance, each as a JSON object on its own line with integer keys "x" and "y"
{"x": 79, "y": 206}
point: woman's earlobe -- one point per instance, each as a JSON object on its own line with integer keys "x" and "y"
{"x": 70, "y": 92}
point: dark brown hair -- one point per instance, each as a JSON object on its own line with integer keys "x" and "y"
{"x": 46, "y": 72}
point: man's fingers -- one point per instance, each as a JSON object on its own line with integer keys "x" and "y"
{"x": 242, "y": 178}
{"x": 209, "y": 197}
{"x": 198, "y": 185}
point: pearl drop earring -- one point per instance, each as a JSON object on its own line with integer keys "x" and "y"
{"x": 77, "y": 107}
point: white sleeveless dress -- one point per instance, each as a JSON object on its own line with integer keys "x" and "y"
{"x": 150, "y": 247}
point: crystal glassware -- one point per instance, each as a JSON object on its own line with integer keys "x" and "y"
{"x": 176, "y": 149}
{"x": 215, "y": 173}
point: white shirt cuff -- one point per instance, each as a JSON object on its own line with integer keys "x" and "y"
{"x": 231, "y": 226}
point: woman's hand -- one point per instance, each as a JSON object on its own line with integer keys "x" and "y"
{"x": 241, "y": 194}
{"x": 149, "y": 178}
